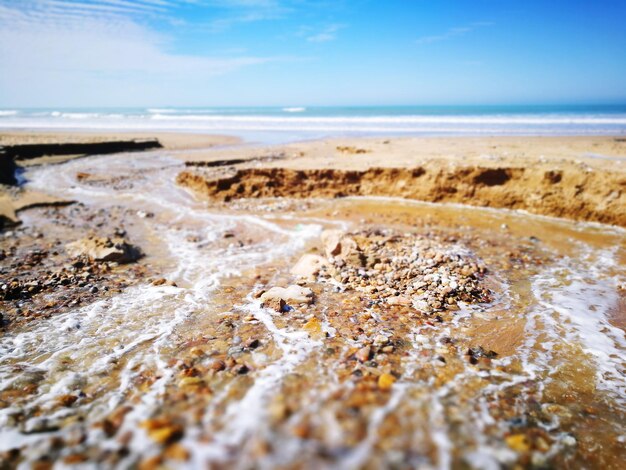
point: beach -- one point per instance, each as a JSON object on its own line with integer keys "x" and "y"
{"x": 298, "y": 235}
{"x": 348, "y": 302}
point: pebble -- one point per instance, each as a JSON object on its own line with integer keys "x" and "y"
{"x": 518, "y": 442}
{"x": 385, "y": 382}
{"x": 314, "y": 328}
{"x": 217, "y": 365}
{"x": 569, "y": 441}
{"x": 364, "y": 354}
{"x": 403, "y": 270}
{"x": 278, "y": 297}
{"x": 190, "y": 382}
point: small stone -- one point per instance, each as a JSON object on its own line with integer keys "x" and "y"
{"x": 385, "y": 382}
{"x": 190, "y": 382}
{"x": 308, "y": 266}
{"x": 518, "y": 442}
{"x": 114, "y": 421}
{"x": 217, "y": 365}
{"x": 290, "y": 295}
{"x": 331, "y": 239}
{"x": 363, "y": 354}
{"x": 196, "y": 352}
{"x": 151, "y": 463}
{"x": 569, "y": 441}
{"x": 380, "y": 340}
{"x": 104, "y": 249}
{"x": 314, "y": 328}
{"x": 337, "y": 243}
{"x": 163, "y": 431}
{"x": 276, "y": 304}
{"x": 258, "y": 293}
{"x": 398, "y": 300}
{"x": 75, "y": 459}
{"x": 66, "y": 400}
{"x": 253, "y": 344}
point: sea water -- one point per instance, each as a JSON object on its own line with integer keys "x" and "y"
{"x": 274, "y": 124}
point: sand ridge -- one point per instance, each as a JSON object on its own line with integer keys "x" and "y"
{"x": 549, "y": 176}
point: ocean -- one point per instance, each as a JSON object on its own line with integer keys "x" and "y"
{"x": 286, "y": 123}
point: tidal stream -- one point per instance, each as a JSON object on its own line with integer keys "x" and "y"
{"x": 552, "y": 395}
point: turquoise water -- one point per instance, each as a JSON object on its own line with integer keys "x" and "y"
{"x": 280, "y": 123}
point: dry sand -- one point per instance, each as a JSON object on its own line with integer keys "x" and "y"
{"x": 170, "y": 141}
{"x": 581, "y": 178}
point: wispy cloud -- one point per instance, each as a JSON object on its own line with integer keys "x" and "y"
{"x": 452, "y": 33}
{"x": 65, "y": 48}
{"x": 233, "y": 12}
{"x": 328, "y": 33}
{"x": 320, "y": 33}
{"x": 63, "y": 11}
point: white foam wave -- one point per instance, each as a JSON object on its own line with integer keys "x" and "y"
{"x": 249, "y": 414}
{"x": 526, "y": 120}
{"x": 90, "y": 116}
{"x": 8, "y": 112}
{"x": 161, "y": 110}
{"x": 201, "y": 120}
{"x": 577, "y": 311}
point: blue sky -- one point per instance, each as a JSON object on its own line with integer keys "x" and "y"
{"x": 303, "y": 52}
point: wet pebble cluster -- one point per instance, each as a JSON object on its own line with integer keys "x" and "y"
{"x": 407, "y": 269}
{"x": 39, "y": 277}
{"x": 80, "y": 273}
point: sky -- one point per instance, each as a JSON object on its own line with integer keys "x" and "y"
{"x": 127, "y": 53}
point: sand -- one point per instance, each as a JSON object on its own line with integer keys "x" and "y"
{"x": 432, "y": 329}
{"x": 580, "y": 178}
{"x": 362, "y": 153}
{"x": 170, "y": 141}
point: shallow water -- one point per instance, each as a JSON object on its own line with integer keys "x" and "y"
{"x": 554, "y": 395}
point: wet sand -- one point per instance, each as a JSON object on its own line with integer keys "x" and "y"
{"x": 434, "y": 335}
{"x": 13, "y": 199}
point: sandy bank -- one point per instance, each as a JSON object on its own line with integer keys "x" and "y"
{"x": 580, "y": 178}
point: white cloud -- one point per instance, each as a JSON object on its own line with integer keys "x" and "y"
{"x": 57, "y": 55}
{"x": 452, "y": 33}
{"x": 329, "y": 33}
{"x": 245, "y": 11}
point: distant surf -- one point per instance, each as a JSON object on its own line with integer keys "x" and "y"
{"x": 284, "y": 123}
